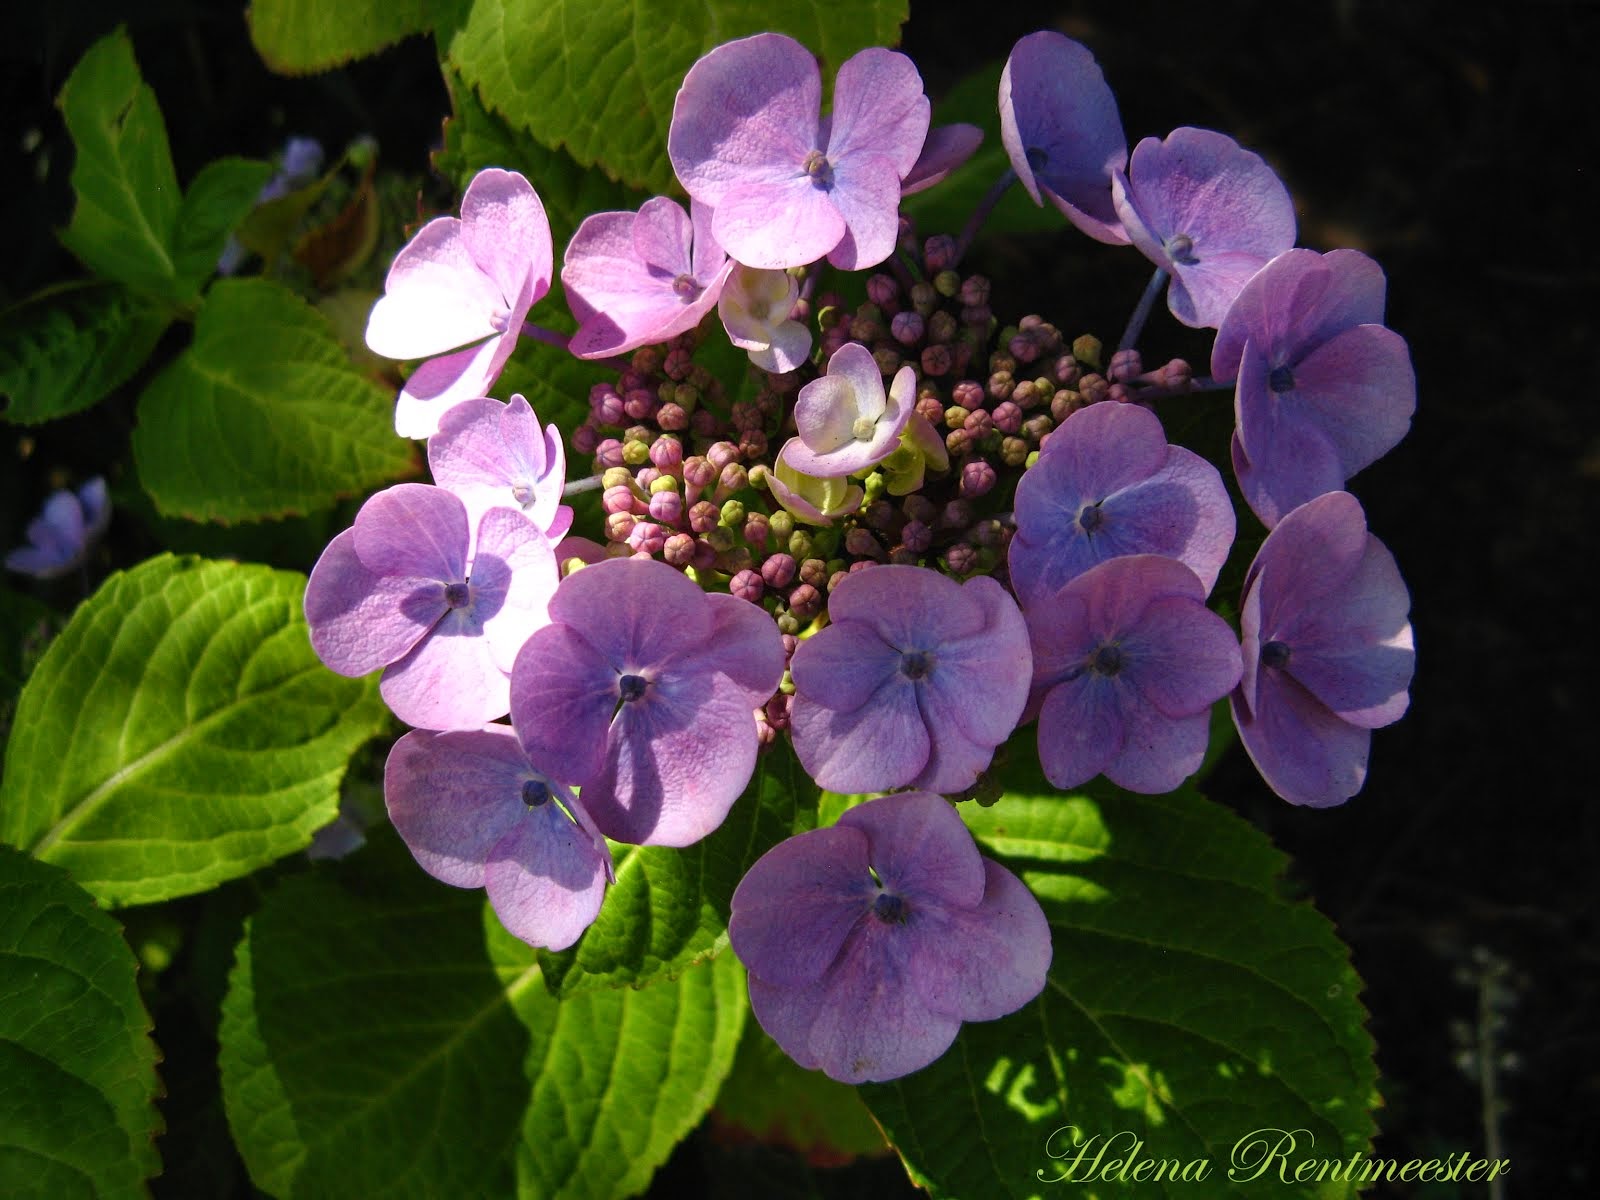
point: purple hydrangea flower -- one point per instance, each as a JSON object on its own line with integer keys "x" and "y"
{"x": 846, "y": 422}
{"x": 476, "y": 814}
{"x": 1127, "y": 661}
{"x": 66, "y": 529}
{"x": 635, "y": 279}
{"x": 868, "y": 943}
{"x": 1108, "y": 484}
{"x": 1208, "y": 212}
{"x": 494, "y": 455}
{"x": 787, "y": 184}
{"x": 914, "y": 683}
{"x": 1328, "y": 651}
{"x": 755, "y": 307}
{"x": 947, "y": 147}
{"x": 642, "y": 692}
{"x": 1324, "y": 389}
{"x": 1062, "y": 132}
{"x": 467, "y": 282}
{"x": 408, "y": 588}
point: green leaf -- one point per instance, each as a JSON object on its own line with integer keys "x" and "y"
{"x": 607, "y": 71}
{"x": 263, "y": 416}
{"x": 669, "y": 908}
{"x": 218, "y": 199}
{"x": 180, "y": 732}
{"x": 382, "y": 1035}
{"x": 297, "y": 37}
{"x": 68, "y": 347}
{"x": 77, "y": 1066}
{"x": 25, "y": 625}
{"x": 127, "y": 190}
{"x": 1188, "y": 1004}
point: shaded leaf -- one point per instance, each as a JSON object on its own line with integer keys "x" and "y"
{"x": 298, "y": 37}
{"x": 218, "y": 199}
{"x": 180, "y": 732}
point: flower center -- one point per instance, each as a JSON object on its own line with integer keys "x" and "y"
{"x": 890, "y": 909}
{"x": 1281, "y": 380}
{"x": 1180, "y": 249}
{"x": 1275, "y": 655}
{"x": 820, "y": 169}
{"x": 686, "y": 287}
{"x": 534, "y": 792}
{"x": 631, "y": 687}
{"x": 1037, "y": 158}
{"x": 1106, "y": 660}
{"x": 864, "y": 428}
{"x": 522, "y": 493}
{"x": 916, "y": 664}
{"x": 457, "y": 595}
{"x": 1090, "y": 518}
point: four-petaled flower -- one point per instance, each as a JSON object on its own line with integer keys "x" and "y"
{"x": 462, "y": 282}
{"x": 1328, "y": 651}
{"x": 642, "y": 692}
{"x": 755, "y": 307}
{"x": 475, "y": 813}
{"x": 788, "y": 186}
{"x": 847, "y": 424}
{"x": 494, "y": 455}
{"x": 914, "y": 683}
{"x": 868, "y": 943}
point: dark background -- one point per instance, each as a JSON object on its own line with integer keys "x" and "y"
{"x": 1456, "y": 144}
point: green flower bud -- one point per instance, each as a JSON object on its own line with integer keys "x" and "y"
{"x": 781, "y": 525}
{"x": 732, "y": 515}
{"x": 663, "y": 483}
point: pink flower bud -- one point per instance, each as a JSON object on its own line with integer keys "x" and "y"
{"x": 778, "y": 570}
{"x": 747, "y": 585}
{"x": 977, "y": 479}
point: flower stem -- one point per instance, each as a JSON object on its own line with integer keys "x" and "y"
{"x": 577, "y": 487}
{"x": 1141, "y": 311}
{"x": 981, "y": 213}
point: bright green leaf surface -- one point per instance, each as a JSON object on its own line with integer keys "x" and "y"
{"x": 218, "y": 199}
{"x": 383, "y": 1036}
{"x": 297, "y": 37}
{"x": 127, "y": 192}
{"x": 607, "y": 71}
{"x": 1188, "y": 1004}
{"x": 180, "y": 732}
{"x": 669, "y": 907}
{"x": 263, "y": 416}
{"x": 77, "y": 1066}
{"x": 65, "y": 349}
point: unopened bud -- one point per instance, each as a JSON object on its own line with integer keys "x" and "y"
{"x": 961, "y": 559}
{"x": 667, "y": 507}
{"x": 1087, "y": 350}
{"x": 778, "y": 570}
{"x": 781, "y": 523}
{"x": 679, "y": 550}
{"x": 747, "y": 585}
{"x": 666, "y": 453}
{"x": 908, "y": 327}
{"x": 939, "y": 255}
{"x": 703, "y": 516}
{"x": 1013, "y": 451}
{"x": 883, "y": 290}
{"x": 815, "y": 572}
{"x": 977, "y": 479}
{"x": 801, "y": 543}
{"x": 755, "y": 529}
{"x": 805, "y": 602}
{"x": 1008, "y": 417}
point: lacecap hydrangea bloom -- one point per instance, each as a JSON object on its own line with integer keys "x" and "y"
{"x": 442, "y": 608}
{"x": 474, "y": 813}
{"x": 1328, "y": 651}
{"x": 748, "y": 139}
{"x": 914, "y": 682}
{"x": 1324, "y": 389}
{"x": 463, "y": 282}
{"x": 869, "y": 943}
{"x": 641, "y": 691}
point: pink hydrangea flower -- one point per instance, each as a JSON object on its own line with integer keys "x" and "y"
{"x": 913, "y": 684}
{"x": 846, "y": 422}
{"x": 474, "y": 813}
{"x": 66, "y": 529}
{"x": 1107, "y": 484}
{"x": 642, "y": 691}
{"x": 870, "y": 942}
{"x": 1208, "y": 212}
{"x": 443, "y": 611}
{"x": 1324, "y": 389}
{"x": 748, "y": 138}
{"x": 494, "y": 455}
{"x": 1328, "y": 651}
{"x": 1062, "y": 132}
{"x": 635, "y": 279}
{"x": 755, "y": 307}
{"x": 463, "y": 282}
{"x": 1127, "y": 661}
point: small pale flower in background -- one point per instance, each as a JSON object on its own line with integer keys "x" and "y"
{"x": 914, "y": 682}
{"x": 946, "y": 148}
{"x": 1062, "y": 132}
{"x": 1328, "y": 651}
{"x": 788, "y": 186}
{"x": 755, "y": 307}
{"x": 634, "y": 279}
{"x": 846, "y": 421}
{"x": 494, "y": 455}
{"x": 65, "y": 531}
{"x": 474, "y": 813}
{"x": 462, "y": 282}
{"x": 868, "y": 943}
{"x": 1208, "y": 212}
